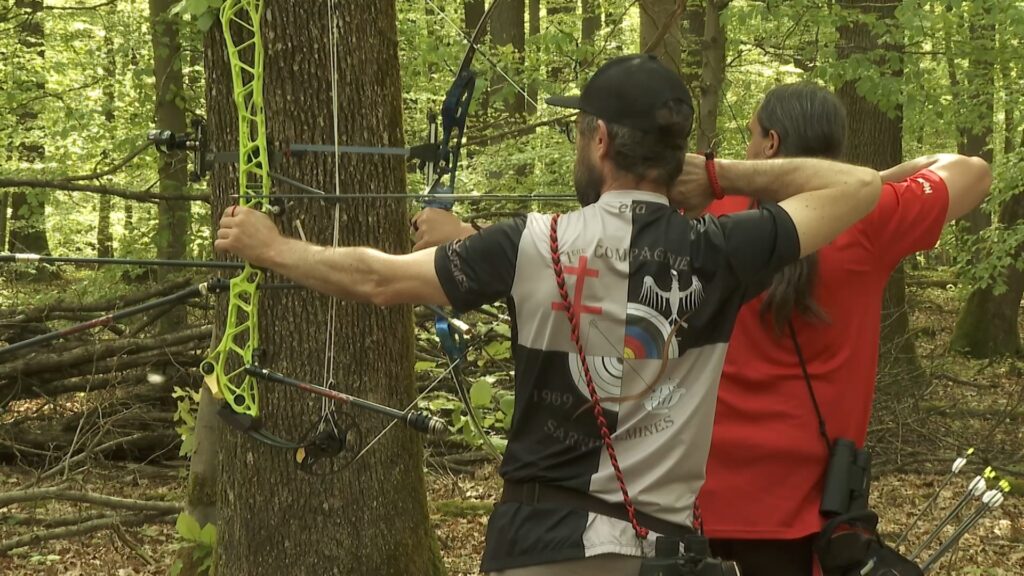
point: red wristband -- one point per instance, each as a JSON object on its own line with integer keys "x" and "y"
{"x": 709, "y": 165}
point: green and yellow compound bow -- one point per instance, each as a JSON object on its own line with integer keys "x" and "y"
{"x": 231, "y": 370}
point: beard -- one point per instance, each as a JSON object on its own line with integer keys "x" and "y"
{"x": 587, "y": 180}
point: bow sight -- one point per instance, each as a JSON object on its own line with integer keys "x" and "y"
{"x": 427, "y": 155}
{"x": 167, "y": 141}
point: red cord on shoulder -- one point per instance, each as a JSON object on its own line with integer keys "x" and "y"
{"x": 709, "y": 165}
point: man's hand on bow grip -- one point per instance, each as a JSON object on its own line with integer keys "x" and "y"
{"x": 249, "y": 234}
{"x": 433, "y": 227}
{"x": 692, "y": 191}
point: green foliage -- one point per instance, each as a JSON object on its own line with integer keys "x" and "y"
{"x": 185, "y": 418}
{"x": 202, "y": 541}
{"x": 204, "y": 12}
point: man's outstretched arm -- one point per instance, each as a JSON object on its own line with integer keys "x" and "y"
{"x": 822, "y": 197}
{"x": 355, "y": 274}
{"x": 967, "y": 179}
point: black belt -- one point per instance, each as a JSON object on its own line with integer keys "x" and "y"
{"x": 534, "y": 493}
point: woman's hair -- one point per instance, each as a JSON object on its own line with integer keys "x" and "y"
{"x": 811, "y": 122}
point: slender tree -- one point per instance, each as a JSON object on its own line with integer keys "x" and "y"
{"x": 28, "y": 211}
{"x": 876, "y": 139}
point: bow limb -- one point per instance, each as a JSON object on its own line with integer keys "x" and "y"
{"x": 454, "y": 112}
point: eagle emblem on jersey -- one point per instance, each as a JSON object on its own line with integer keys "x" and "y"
{"x": 674, "y": 298}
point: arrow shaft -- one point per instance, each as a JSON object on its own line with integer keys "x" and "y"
{"x": 955, "y": 537}
{"x": 429, "y": 424}
{"x": 964, "y": 500}
{"x": 37, "y": 258}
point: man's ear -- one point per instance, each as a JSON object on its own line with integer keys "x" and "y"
{"x": 771, "y": 147}
{"x": 601, "y": 141}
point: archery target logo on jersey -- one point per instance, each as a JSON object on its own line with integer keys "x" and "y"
{"x": 645, "y": 339}
{"x": 646, "y": 332}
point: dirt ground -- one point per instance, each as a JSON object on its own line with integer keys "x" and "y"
{"x": 459, "y": 512}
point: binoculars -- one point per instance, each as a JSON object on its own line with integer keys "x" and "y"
{"x": 847, "y": 480}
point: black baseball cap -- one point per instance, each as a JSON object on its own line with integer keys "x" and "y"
{"x": 629, "y": 91}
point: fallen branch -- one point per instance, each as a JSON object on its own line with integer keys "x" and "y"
{"x": 119, "y": 442}
{"x": 45, "y": 311}
{"x": 63, "y": 494}
{"x": 58, "y": 522}
{"x": 63, "y": 360}
{"x": 34, "y": 386}
{"x": 132, "y": 545}
{"x": 958, "y": 380}
{"x": 83, "y": 529}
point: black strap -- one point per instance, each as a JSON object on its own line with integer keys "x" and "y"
{"x": 534, "y": 493}
{"x": 810, "y": 388}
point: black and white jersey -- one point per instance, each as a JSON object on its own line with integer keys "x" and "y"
{"x": 637, "y": 272}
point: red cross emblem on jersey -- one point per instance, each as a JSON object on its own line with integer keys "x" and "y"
{"x": 582, "y": 273}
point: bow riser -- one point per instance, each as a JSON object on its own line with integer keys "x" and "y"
{"x": 241, "y": 21}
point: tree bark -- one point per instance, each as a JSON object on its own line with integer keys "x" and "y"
{"x": 875, "y": 139}
{"x": 28, "y": 213}
{"x": 508, "y": 30}
{"x": 712, "y": 77}
{"x": 988, "y": 322}
{"x": 653, "y": 15}
{"x": 590, "y": 27}
{"x": 372, "y": 519}
{"x": 562, "y": 18}
{"x": 533, "y": 88}
{"x": 173, "y": 217}
{"x": 104, "y": 235}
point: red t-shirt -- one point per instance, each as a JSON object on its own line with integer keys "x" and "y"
{"x": 766, "y": 469}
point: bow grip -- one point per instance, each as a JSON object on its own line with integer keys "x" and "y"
{"x": 452, "y": 342}
{"x": 440, "y": 203}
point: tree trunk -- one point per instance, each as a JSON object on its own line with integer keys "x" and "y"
{"x": 712, "y": 77}
{"x": 875, "y": 139}
{"x": 473, "y": 11}
{"x": 104, "y": 235}
{"x": 974, "y": 96}
{"x": 562, "y": 19}
{"x": 654, "y": 14}
{"x": 533, "y": 88}
{"x": 372, "y": 519}
{"x": 508, "y": 29}
{"x": 28, "y": 213}
{"x": 5, "y": 204}
{"x": 590, "y": 27}
{"x": 173, "y": 220}
{"x": 693, "y": 51}
{"x": 988, "y": 322}
{"x": 129, "y": 225}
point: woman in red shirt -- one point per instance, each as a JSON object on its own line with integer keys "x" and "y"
{"x": 766, "y": 470}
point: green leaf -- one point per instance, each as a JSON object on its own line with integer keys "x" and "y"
{"x": 188, "y": 445}
{"x": 424, "y": 365}
{"x": 188, "y": 527}
{"x": 206, "y": 20}
{"x": 208, "y": 535}
{"x": 507, "y": 405}
{"x": 481, "y": 393}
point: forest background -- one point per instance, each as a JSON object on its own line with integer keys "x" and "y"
{"x": 117, "y": 411}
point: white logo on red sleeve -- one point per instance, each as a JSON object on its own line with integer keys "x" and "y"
{"x": 926, "y": 185}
